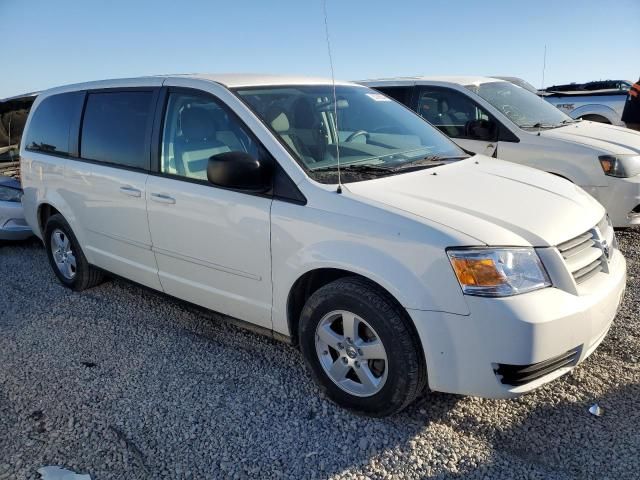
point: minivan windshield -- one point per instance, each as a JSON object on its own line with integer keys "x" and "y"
{"x": 525, "y": 109}
{"x": 373, "y": 134}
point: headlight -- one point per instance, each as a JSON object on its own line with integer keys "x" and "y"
{"x": 498, "y": 272}
{"x": 622, "y": 166}
{"x": 10, "y": 194}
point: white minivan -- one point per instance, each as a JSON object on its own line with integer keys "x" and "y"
{"x": 497, "y": 118}
{"x": 411, "y": 266}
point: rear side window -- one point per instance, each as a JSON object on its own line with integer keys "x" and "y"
{"x": 116, "y": 127}
{"x": 50, "y": 127}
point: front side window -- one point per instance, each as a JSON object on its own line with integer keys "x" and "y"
{"x": 399, "y": 94}
{"x": 450, "y": 111}
{"x": 522, "y": 107}
{"x": 197, "y": 127}
{"x": 370, "y": 132}
{"x": 50, "y": 126}
{"x": 116, "y": 126}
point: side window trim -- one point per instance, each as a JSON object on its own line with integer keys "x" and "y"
{"x": 74, "y": 129}
{"x": 148, "y": 132}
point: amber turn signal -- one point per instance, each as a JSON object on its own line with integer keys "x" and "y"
{"x": 481, "y": 272}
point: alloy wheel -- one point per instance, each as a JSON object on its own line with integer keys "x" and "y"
{"x": 351, "y": 353}
{"x": 63, "y": 255}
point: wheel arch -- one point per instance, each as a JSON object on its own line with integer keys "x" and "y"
{"x": 311, "y": 281}
{"x": 52, "y": 204}
{"x": 599, "y": 110}
{"x": 45, "y": 210}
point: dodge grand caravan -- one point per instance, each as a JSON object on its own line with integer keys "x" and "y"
{"x": 498, "y": 118}
{"x": 415, "y": 266}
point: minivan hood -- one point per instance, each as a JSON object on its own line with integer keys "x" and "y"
{"x": 496, "y": 202}
{"x": 608, "y": 138}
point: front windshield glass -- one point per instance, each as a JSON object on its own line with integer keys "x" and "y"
{"x": 522, "y": 107}
{"x": 373, "y": 133}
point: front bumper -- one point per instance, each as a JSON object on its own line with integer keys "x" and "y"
{"x": 620, "y": 197}
{"x": 464, "y": 353}
{"x": 12, "y": 223}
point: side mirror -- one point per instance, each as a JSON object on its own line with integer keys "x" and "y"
{"x": 481, "y": 130}
{"x": 239, "y": 171}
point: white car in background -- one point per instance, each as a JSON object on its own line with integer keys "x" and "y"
{"x": 497, "y": 118}
{"x": 424, "y": 267}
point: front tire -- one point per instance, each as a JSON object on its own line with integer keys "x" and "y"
{"x": 359, "y": 346}
{"x": 66, "y": 257}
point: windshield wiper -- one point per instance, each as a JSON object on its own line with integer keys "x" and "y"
{"x": 356, "y": 167}
{"x": 428, "y": 162}
{"x": 542, "y": 125}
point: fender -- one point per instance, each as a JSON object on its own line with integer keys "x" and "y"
{"x": 427, "y": 286}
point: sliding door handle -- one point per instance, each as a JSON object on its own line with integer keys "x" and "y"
{"x": 162, "y": 198}
{"x": 132, "y": 192}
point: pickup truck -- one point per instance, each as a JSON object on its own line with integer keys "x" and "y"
{"x": 604, "y": 106}
{"x": 601, "y": 101}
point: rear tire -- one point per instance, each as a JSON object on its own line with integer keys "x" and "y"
{"x": 66, "y": 257}
{"x": 360, "y": 348}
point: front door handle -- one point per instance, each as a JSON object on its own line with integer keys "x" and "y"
{"x": 132, "y": 192}
{"x": 162, "y": 198}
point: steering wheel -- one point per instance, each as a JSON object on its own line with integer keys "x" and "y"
{"x": 357, "y": 134}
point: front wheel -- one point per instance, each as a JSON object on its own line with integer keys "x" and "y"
{"x": 360, "y": 348}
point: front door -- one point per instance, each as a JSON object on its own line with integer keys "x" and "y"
{"x": 212, "y": 245}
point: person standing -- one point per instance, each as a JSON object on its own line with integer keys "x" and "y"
{"x": 631, "y": 112}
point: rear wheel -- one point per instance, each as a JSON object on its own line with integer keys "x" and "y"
{"x": 66, "y": 257}
{"x": 360, "y": 348}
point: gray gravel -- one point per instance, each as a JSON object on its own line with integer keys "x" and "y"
{"x": 120, "y": 382}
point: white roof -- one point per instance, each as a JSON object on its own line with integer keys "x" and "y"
{"x": 229, "y": 80}
{"x": 233, "y": 80}
{"x": 459, "y": 80}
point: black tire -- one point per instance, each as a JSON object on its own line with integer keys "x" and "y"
{"x": 86, "y": 276}
{"x": 406, "y": 375}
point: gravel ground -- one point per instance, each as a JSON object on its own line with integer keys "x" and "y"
{"x": 120, "y": 382}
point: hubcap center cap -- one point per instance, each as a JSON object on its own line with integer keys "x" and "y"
{"x": 351, "y": 352}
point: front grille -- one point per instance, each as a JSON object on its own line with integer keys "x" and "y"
{"x": 586, "y": 255}
{"x": 516, "y": 375}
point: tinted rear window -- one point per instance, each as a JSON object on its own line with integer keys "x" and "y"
{"x": 51, "y": 123}
{"x": 115, "y": 128}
